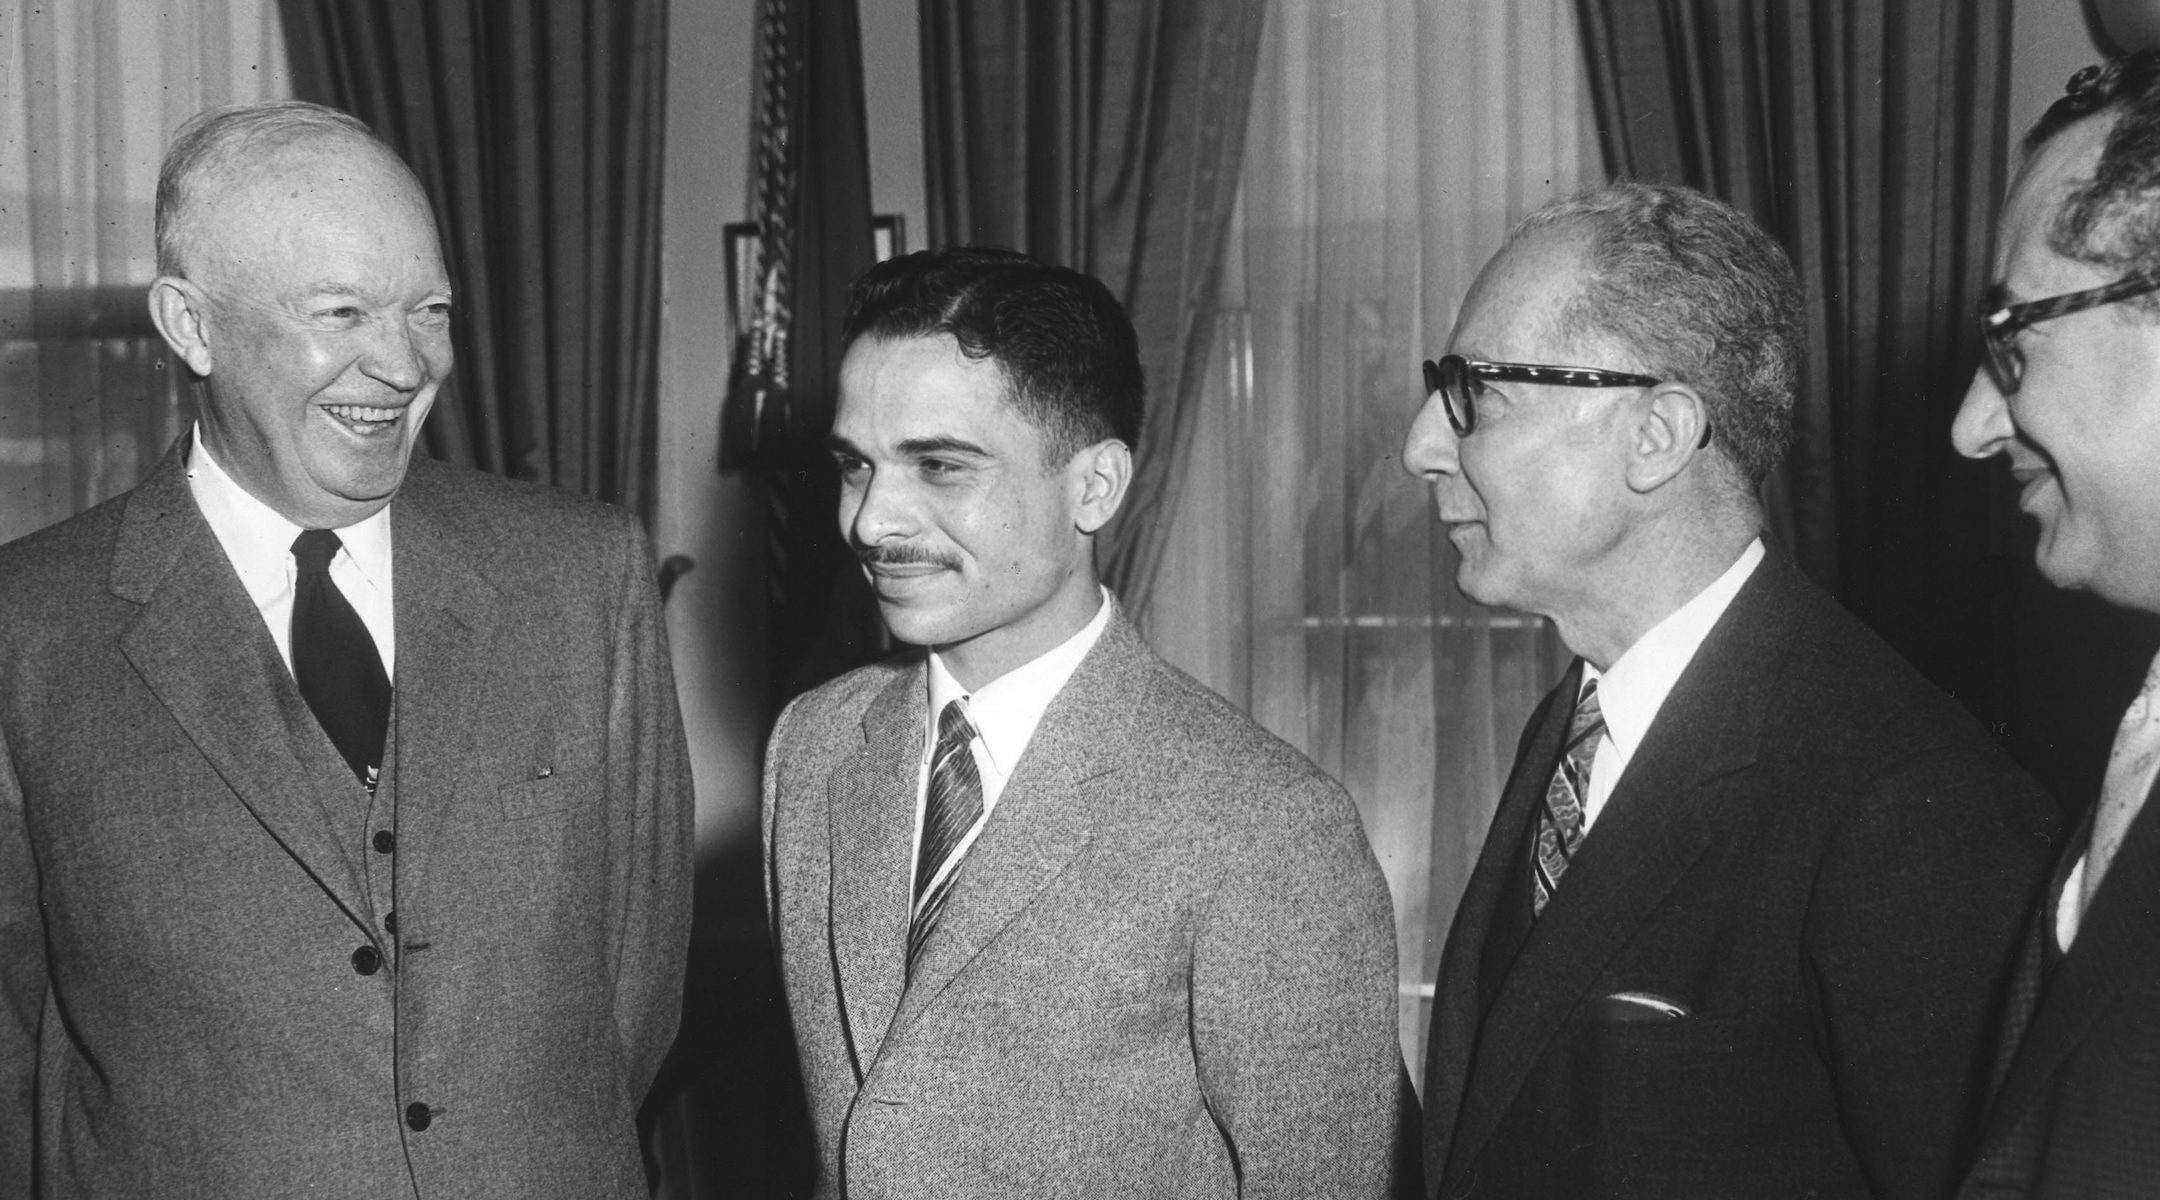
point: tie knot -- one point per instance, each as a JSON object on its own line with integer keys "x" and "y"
{"x": 953, "y": 725}
{"x": 314, "y": 549}
{"x": 1588, "y": 715}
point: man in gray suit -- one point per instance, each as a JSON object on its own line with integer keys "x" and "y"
{"x": 344, "y": 813}
{"x": 1054, "y": 919}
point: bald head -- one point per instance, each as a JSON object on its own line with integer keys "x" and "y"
{"x": 220, "y": 149}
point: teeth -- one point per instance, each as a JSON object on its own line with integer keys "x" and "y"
{"x": 361, "y": 414}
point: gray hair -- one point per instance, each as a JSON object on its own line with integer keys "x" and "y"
{"x": 1701, "y": 296}
{"x": 213, "y": 141}
{"x": 2112, "y": 220}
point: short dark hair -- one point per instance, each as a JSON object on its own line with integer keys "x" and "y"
{"x": 2113, "y": 219}
{"x": 1702, "y": 296}
{"x": 208, "y": 142}
{"x": 1067, "y": 349}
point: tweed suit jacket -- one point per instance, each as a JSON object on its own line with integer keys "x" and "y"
{"x": 2076, "y": 1113}
{"x": 187, "y": 871}
{"x": 1166, "y": 969}
{"x": 1818, "y": 856}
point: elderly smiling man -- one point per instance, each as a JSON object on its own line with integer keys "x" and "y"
{"x": 2070, "y": 395}
{"x": 1054, "y": 919}
{"x": 344, "y": 814}
{"x": 1740, "y": 918}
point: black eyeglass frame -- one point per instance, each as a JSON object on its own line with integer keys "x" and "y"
{"x": 2000, "y": 323}
{"x": 1450, "y": 377}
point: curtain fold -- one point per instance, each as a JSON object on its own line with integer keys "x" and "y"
{"x": 1390, "y": 147}
{"x": 1102, "y": 135}
{"x": 537, "y": 132}
{"x": 1871, "y": 141}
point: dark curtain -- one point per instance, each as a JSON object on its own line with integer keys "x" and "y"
{"x": 812, "y": 205}
{"x": 1103, "y": 135}
{"x": 537, "y": 131}
{"x": 1871, "y": 140}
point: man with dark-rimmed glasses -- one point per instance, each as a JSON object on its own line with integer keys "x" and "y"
{"x": 2069, "y": 393}
{"x": 1735, "y": 926}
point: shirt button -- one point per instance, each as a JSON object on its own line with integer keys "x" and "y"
{"x": 417, "y": 1117}
{"x": 366, "y": 961}
{"x": 389, "y": 922}
{"x": 385, "y": 841}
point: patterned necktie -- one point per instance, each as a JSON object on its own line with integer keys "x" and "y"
{"x": 951, "y": 807}
{"x": 334, "y": 660}
{"x": 2129, "y": 780}
{"x": 1560, "y": 821}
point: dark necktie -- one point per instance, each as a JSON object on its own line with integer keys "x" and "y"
{"x": 334, "y": 660}
{"x": 1560, "y": 821}
{"x": 951, "y": 806}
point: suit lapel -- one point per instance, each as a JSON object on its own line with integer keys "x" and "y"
{"x": 1049, "y": 812}
{"x": 445, "y": 619}
{"x": 2117, "y": 940}
{"x": 871, "y": 806}
{"x": 1657, "y": 823}
{"x": 200, "y": 646}
{"x": 1461, "y": 984}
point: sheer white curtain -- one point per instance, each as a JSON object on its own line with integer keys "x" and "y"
{"x": 1392, "y": 144}
{"x": 89, "y": 94}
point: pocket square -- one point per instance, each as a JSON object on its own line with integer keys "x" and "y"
{"x": 1636, "y": 1006}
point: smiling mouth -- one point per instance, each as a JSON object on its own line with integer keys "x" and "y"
{"x": 2029, "y": 481}
{"x": 364, "y": 419}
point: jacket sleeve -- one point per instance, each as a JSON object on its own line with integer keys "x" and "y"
{"x": 1913, "y": 929}
{"x": 649, "y": 777}
{"x": 1294, "y": 1001}
{"x": 22, "y": 984}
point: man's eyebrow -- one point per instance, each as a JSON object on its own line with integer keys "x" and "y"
{"x": 840, "y": 445}
{"x": 941, "y": 445}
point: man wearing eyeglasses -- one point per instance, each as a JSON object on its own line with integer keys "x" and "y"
{"x": 2070, "y": 394}
{"x": 1741, "y": 917}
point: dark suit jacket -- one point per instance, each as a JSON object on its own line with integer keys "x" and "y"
{"x": 1812, "y": 850}
{"x": 2077, "y": 1112}
{"x": 1166, "y": 968}
{"x": 187, "y": 871}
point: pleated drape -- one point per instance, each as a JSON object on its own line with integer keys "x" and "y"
{"x": 1870, "y": 140}
{"x": 536, "y": 130}
{"x": 1103, "y": 135}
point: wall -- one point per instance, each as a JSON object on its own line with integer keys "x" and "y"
{"x": 2048, "y": 41}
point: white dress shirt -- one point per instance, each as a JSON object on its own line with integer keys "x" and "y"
{"x": 258, "y": 541}
{"x": 1632, "y": 692}
{"x": 1005, "y": 712}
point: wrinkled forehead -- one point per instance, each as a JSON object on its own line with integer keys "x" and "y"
{"x": 2044, "y": 181}
{"x": 1517, "y": 308}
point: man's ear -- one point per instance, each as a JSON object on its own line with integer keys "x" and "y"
{"x": 179, "y": 310}
{"x": 1100, "y": 474}
{"x": 1672, "y": 428}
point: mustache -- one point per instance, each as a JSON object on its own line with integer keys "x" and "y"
{"x": 895, "y": 554}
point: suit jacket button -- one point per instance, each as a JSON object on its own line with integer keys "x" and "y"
{"x": 366, "y": 960}
{"x": 385, "y": 841}
{"x": 417, "y": 1117}
{"x": 389, "y": 922}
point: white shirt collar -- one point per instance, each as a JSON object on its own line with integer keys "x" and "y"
{"x": 258, "y": 539}
{"x": 1006, "y": 710}
{"x": 1632, "y": 692}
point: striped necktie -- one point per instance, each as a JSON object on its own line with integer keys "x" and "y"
{"x": 1560, "y": 821}
{"x": 952, "y": 805}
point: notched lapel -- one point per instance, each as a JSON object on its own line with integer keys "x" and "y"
{"x": 1656, "y": 825}
{"x": 2117, "y": 941}
{"x": 1049, "y": 812}
{"x": 870, "y": 803}
{"x": 200, "y": 646}
{"x": 446, "y": 613}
